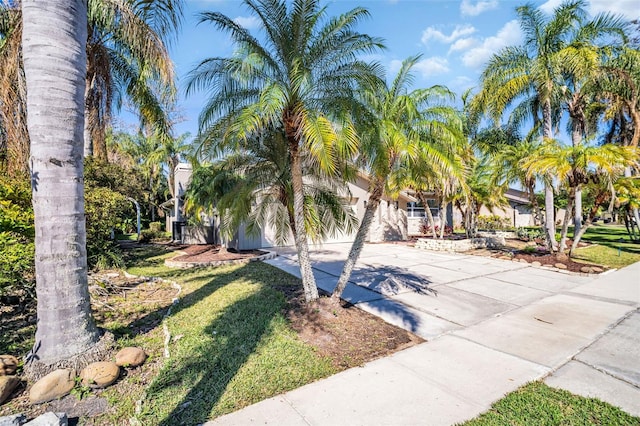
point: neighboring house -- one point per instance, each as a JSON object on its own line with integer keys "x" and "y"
{"x": 519, "y": 211}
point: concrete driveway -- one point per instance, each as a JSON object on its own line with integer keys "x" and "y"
{"x": 431, "y": 293}
{"x": 491, "y": 326}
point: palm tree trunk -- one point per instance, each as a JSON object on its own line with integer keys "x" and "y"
{"x": 537, "y": 214}
{"x": 549, "y": 208}
{"x": 576, "y": 140}
{"x": 599, "y": 201}
{"x": 428, "y": 213}
{"x": 88, "y": 143}
{"x": 308, "y": 280}
{"x": 565, "y": 223}
{"x": 358, "y": 243}
{"x": 54, "y": 37}
{"x": 443, "y": 217}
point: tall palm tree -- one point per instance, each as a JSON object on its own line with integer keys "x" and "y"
{"x": 582, "y": 66}
{"x": 534, "y": 68}
{"x": 396, "y": 132}
{"x": 252, "y": 188}
{"x": 127, "y": 59}
{"x": 301, "y": 78}
{"x": 54, "y": 38}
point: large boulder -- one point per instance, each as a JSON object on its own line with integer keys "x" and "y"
{"x": 130, "y": 357}
{"x": 8, "y": 365}
{"x": 7, "y": 385}
{"x": 100, "y": 374}
{"x": 52, "y": 386}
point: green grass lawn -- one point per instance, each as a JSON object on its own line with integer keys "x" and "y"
{"x": 537, "y": 404}
{"x": 235, "y": 346}
{"x": 613, "y": 246}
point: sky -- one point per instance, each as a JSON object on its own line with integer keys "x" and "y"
{"x": 454, "y": 38}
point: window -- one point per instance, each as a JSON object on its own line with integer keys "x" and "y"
{"x": 416, "y": 209}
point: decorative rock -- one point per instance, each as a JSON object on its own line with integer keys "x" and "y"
{"x": 8, "y": 365}
{"x": 100, "y": 374}
{"x": 596, "y": 269}
{"x": 52, "y": 386}
{"x": 560, "y": 265}
{"x": 505, "y": 257}
{"x": 547, "y": 266}
{"x": 130, "y": 357}
{"x": 536, "y": 263}
{"x": 523, "y": 261}
{"x": 13, "y": 420}
{"x": 7, "y": 385}
{"x": 586, "y": 269}
{"x": 49, "y": 419}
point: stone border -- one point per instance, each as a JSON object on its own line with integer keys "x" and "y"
{"x": 457, "y": 246}
{"x": 171, "y": 263}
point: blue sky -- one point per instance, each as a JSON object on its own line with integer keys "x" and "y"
{"x": 455, "y": 38}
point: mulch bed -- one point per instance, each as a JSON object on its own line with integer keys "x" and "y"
{"x": 211, "y": 253}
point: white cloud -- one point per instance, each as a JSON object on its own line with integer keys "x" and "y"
{"x": 627, "y": 8}
{"x": 467, "y": 8}
{"x": 509, "y": 35}
{"x": 432, "y": 66}
{"x": 394, "y": 67}
{"x": 458, "y": 31}
{"x": 463, "y": 44}
{"x": 425, "y": 68}
{"x": 248, "y": 22}
{"x": 550, "y": 5}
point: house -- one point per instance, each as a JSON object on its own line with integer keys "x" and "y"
{"x": 390, "y": 221}
{"x": 394, "y": 219}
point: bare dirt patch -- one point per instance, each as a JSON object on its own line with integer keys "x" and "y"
{"x": 346, "y": 334}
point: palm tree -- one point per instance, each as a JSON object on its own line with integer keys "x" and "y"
{"x": 397, "y": 131}
{"x": 168, "y": 152}
{"x": 577, "y": 165}
{"x": 127, "y": 59}
{"x": 301, "y": 78}
{"x": 54, "y": 37}
{"x": 252, "y": 188}
{"x": 582, "y": 64}
{"x": 533, "y": 68}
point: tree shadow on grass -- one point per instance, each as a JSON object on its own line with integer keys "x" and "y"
{"x": 207, "y": 362}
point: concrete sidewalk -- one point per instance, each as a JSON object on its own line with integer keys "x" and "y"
{"x": 491, "y": 327}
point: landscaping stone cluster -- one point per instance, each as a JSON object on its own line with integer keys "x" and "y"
{"x": 61, "y": 382}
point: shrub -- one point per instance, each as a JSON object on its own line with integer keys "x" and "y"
{"x": 426, "y": 229}
{"x": 494, "y": 223}
{"x": 155, "y": 226}
{"x": 104, "y": 208}
{"x": 17, "y": 271}
{"x": 528, "y": 234}
{"x": 148, "y": 235}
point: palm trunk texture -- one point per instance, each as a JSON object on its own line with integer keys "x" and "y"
{"x": 54, "y": 37}
{"x": 358, "y": 243}
{"x": 549, "y": 208}
{"x": 302, "y": 246}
